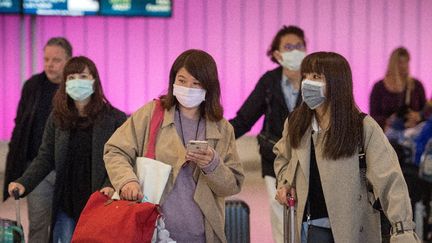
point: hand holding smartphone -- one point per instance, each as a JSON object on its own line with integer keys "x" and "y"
{"x": 196, "y": 146}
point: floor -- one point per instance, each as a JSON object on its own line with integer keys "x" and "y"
{"x": 253, "y": 192}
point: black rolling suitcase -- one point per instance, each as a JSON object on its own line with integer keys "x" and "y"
{"x": 237, "y": 226}
{"x": 12, "y": 231}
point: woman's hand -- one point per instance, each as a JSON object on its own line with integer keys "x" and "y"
{"x": 131, "y": 191}
{"x": 202, "y": 158}
{"x": 15, "y": 185}
{"x": 108, "y": 191}
{"x": 282, "y": 194}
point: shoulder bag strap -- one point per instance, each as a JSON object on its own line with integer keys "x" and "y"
{"x": 155, "y": 123}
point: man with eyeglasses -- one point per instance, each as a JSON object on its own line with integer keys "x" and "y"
{"x": 275, "y": 96}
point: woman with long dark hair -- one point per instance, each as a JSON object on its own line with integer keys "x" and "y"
{"x": 319, "y": 160}
{"x": 76, "y": 131}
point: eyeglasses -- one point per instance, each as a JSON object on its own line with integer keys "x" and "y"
{"x": 290, "y": 47}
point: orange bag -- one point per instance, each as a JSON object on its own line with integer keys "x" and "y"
{"x": 111, "y": 221}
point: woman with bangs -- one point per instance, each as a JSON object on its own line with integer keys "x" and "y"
{"x": 319, "y": 161}
{"x": 193, "y": 203}
{"x": 81, "y": 122}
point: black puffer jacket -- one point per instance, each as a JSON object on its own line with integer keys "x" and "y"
{"x": 267, "y": 91}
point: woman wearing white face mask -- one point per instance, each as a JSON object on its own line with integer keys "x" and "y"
{"x": 275, "y": 96}
{"x": 75, "y": 133}
{"x": 335, "y": 161}
{"x": 193, "y": 201}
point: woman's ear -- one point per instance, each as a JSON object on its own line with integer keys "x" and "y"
{"x": 277, "y": 55}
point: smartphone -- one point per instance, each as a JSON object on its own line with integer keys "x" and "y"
{"x": 196, "y": 146}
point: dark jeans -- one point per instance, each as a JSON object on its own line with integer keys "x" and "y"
{"x": 64, "y": 228}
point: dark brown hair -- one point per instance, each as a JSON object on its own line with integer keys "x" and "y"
{"x": 64, "y": 110}
{"x": 277, "y": 39}
{"x": 344, "y": 135}
{"x": 203, "y": 68}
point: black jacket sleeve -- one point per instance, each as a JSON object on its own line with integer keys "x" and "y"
{"x": 44, "y": 163}
{"x": 252, "y": 109}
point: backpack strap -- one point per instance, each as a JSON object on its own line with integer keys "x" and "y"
{"x": 363, "y": 165}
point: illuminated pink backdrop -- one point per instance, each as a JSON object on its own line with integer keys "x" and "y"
{"x": 134, "y": 55}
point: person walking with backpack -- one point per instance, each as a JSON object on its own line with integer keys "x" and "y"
{"x": 318, "y": 161}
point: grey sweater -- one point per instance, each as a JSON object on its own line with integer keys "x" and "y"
{"x": 183, "y": 218}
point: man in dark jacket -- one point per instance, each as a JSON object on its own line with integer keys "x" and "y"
{"x": 34, "y": 107}
{"x": 275, "y": 96}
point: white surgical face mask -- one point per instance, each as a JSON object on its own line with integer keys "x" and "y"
{"x": 313, "y": 93}
{"x": 79, "y": 89}
{"x": 189, "y": 97}
{"x": 292, "y": 59}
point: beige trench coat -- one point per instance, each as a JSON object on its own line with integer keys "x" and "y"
{"x": 130, "y": 141}
{"x": 351, "y": 215}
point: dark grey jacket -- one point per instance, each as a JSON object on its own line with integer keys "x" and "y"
{"x": 53, "y": 151}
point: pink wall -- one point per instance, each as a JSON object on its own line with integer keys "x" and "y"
{"x": 134, "y": 55}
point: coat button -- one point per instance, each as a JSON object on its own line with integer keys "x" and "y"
{"x": 359, "y": 197}
{"x": 361, "y": 228}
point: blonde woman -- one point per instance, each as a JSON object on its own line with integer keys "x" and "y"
{"x": 398, "y": 95}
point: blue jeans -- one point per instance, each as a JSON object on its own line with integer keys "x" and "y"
{"x": 64, "y": 228}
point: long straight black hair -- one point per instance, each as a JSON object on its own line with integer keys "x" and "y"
{"x": 344, "y": 134}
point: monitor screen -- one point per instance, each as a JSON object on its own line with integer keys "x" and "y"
{"x": 61, "y": 7}
{"x": 157, "y": 8}
{"x": 10, "y": 6}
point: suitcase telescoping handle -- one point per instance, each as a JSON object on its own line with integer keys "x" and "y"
{"x": 291, "y": 203}
{"x": 289, "y": 221}
{"x": 17, "y": 206}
